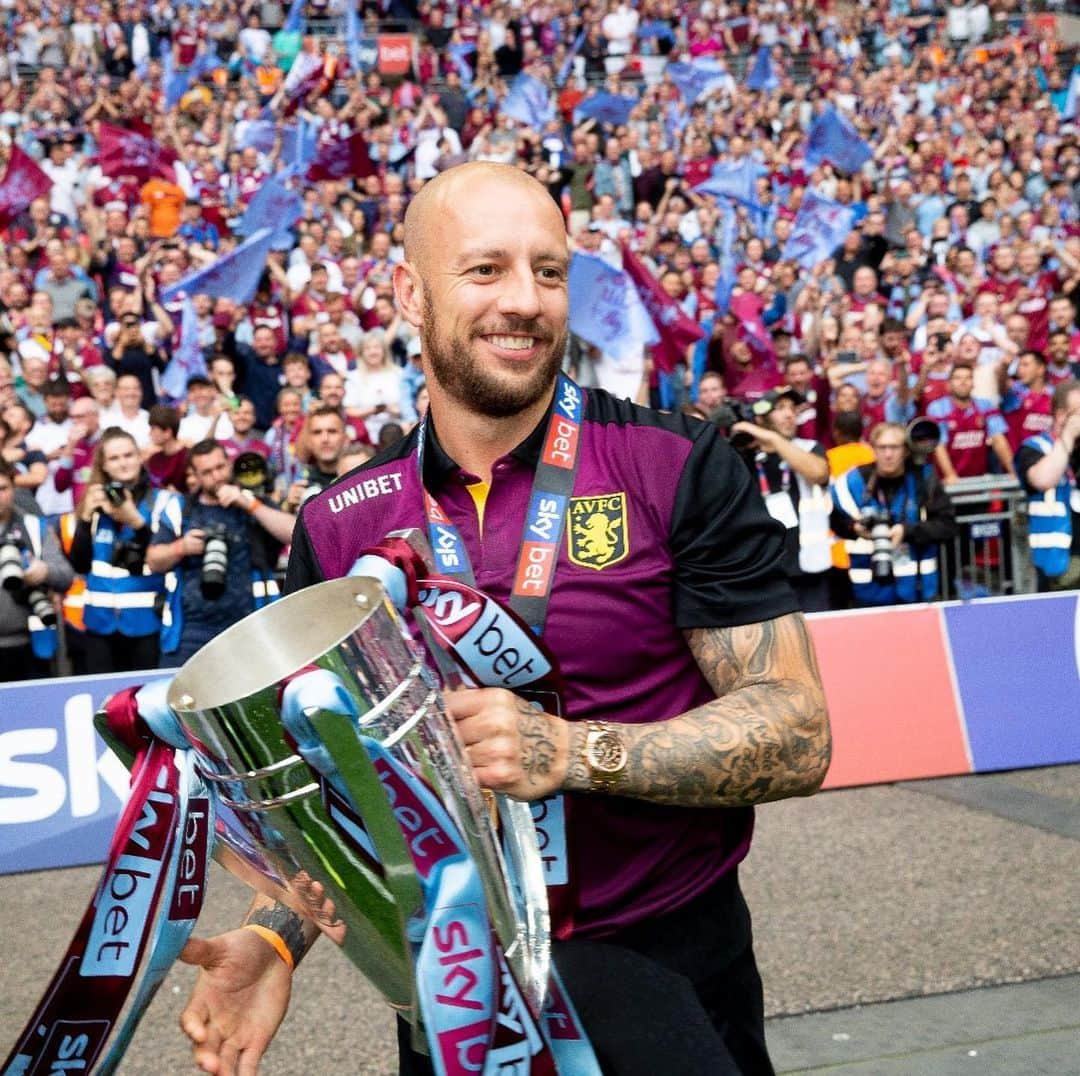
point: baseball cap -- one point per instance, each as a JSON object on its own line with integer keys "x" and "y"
{"x": 771, "y": 398}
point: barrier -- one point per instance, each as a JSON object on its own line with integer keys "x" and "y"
{"x": 918, "y": 691}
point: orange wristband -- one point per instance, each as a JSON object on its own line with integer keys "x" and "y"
{"x": 274, "y": 939}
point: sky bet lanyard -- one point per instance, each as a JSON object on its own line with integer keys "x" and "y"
{"x": 544, "y": 522}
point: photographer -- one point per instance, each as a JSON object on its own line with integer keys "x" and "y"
{"x": 226, "y": 545}
{"x": 31, "y": 564}
{"x": 793, "y": 476}
{"x": 123, "y": 601}
{"x": 893, "y": 514}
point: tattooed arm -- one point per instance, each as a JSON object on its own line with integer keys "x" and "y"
{"x": 764, "y": 737}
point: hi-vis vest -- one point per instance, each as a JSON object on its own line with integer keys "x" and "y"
{"x": 43, "y": 639}
{"x": 115, "y": 601}
{"x": 915, "y": 575}
{"x": 73, "y": 599}
{"x": 1050, "y": 518}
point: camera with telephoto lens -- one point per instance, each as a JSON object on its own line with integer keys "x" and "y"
{"x": 14, "y": 582}
{"x": 879, "y": 522}
{"x": 215, "y": 562}
{"x": 114, "y": 493}
{"x": 11, "y": 562}
{"x": 727, "y": 414}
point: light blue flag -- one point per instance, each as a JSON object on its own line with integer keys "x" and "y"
{"x": 257, "y": 133}
{"x": 820, "y": 227}
{"x": 352, "y": 35}
{"x": 762, "y": 76}
{"x": 1072, "y": 98}
{"x": 529, "y": 102}
{"x": 833, "y": 139}
{"x": 657, "y": 29}
{"x": 726, "y": 283}
{"x": 234, "y": 276}
{"x": 188, "y": 359}
{"x": 605, "y": 308}
{"x": 568, "y": 61}
{"x": 299, "y": 143}
{"x": 697, "y": 78}
{"x": 276, "y": 207}
{"x": 294, "y": 21}
{"x": 734, "y": 181}
{"x": 457, "y": 54}
{"x": 613, "y": 108}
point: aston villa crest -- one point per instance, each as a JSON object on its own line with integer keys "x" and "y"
{"x": 597, "y": 532}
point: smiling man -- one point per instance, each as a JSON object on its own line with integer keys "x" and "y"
{"x": 654, "y": 574}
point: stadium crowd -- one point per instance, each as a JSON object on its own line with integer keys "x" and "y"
{"x": 157, "y": 441}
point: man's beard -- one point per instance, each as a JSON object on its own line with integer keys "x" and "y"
{"x": 456, "y": 369}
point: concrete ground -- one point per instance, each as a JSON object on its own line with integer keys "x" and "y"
{"x": 921, "y": 929}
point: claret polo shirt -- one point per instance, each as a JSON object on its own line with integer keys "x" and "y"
{"x": 665, "y": 531}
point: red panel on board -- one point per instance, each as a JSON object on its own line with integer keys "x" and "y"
{"x": 891, "y": 698}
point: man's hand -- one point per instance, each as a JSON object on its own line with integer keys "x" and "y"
{"x": 192, "y": 543}
{"x": 512, "y": 746}
{"x": 37, "y": 573}
{"x": 230, "y": 496}
{"x": 238, "y": 1002}
{"x": 765, "y": 439}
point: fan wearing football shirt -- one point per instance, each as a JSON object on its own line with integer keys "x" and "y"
{"x": 1027, "y": 403}
{"x": 968, "y": 427}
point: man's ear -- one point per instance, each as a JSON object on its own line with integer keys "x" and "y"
{"x": 409, "y": 293}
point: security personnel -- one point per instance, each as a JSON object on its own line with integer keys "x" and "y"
{"x": 1049, "y": 465}
{"x": 247, "y": 534}
{"x": 917, "y": 512}
{"x": 123, "y": 599}
{"x": 30, "y": 564}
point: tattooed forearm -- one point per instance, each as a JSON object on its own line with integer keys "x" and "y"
{"x": 765, "y": 737}
{"x": 538, "y": 748}
{"x": 297, "y": 933}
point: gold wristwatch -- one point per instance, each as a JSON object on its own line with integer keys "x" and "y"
{"x": 604, "y": 756}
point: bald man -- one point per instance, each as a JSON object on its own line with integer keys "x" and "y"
{"x": 585, "y": 514}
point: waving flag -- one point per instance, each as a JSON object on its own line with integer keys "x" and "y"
{"x": 762, "y": 76}
{"x": 610, "y": 108}
{"x": 820, "y": 227}
{"x": 737, "y": 181}
{"x": 605, "y": 309}
{"x": 457, "y": 54}
{"x": 274, "y": 206}
{"x": 188, "y": 359}
{"x": 568, "y": 60}
{"x": 174, "y": 83}
{"x": 726, "y": 282}
{"x": 234, "y": 276}
{"x": 657, "y": 29}
{"x": 257, "y": 133}
{"x": 125, "y": 153}
{"x": 529, "y": 102}
{"x": 352, "y": 36}
{"x": 294, "y": 21}
{"x": 340, "y": 158}
{"x": 1072, "y": 98}
{"x": 833, "y": 139}
{"x": 303, "y": 78}
{"x": 695, "y": 79}
{"x": 676, "y": 330}
{"x": 22, "y": 183}
{"x": 298, "y": 144}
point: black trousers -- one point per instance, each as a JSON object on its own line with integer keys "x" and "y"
{"x": 19, "y": 663}
{"x": 120, "y": 653}
{"x": 679, "y": 995}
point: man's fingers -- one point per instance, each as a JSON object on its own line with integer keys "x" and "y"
{"x": 228, "y": 1057}
{"x": 198, "y": 951}
{"x": 193, "y": 1023}
{"x": 249, "y": 1061}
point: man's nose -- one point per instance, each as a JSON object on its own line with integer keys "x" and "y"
{"x": 519, "y": 294}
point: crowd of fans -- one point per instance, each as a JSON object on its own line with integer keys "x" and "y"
{"x": 954, "y": 297}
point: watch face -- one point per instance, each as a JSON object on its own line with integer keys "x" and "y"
{"x": 607, "y": 752}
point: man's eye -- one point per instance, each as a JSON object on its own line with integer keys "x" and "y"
{"x": 483, "y": 270}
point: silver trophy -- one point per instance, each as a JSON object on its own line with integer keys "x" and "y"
{"x": 333, "y": 850}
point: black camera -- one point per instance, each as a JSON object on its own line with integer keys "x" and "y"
{"x": 129, "y": 556}
{"x": 40, "y": 606}
{"x": 11, "y": 562}
{"x": 880, "y": 522}
{"x": 215, "y": 562}
{"x": 114, "y": 493}
{"x": 727, "y": 414}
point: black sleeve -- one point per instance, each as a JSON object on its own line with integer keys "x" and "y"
{"x": 1026, "y": 458}
{"x": 940, "y": 522}
{"x": 727, "y": 549}
{"x": 82, "y": 548}
{"x": 303, "y": 570}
